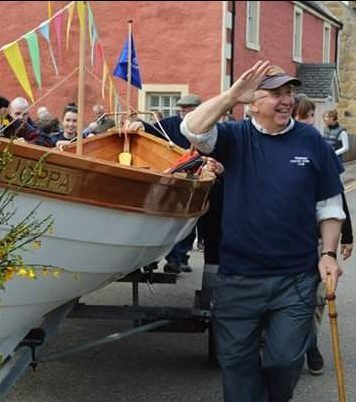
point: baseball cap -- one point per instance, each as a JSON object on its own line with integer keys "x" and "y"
{"x": 189, "y": 100}
{"x": 277, "y": 77}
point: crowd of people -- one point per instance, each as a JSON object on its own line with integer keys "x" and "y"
{"x": 46, "y": 129}
{"x": 277, "y": 213}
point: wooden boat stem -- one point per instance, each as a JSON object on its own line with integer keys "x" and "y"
{"x": 81, "y": 83}
{"x": 330, "y": 297}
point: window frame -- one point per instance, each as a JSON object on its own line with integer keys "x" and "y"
{"x": 177, "y": 90}
{"x": 298, "y": 53}
{"x": 326, "y": 42}
{"x": 249, "y": 42}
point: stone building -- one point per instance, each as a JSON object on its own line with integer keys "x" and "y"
{"x": 347, "y": 67}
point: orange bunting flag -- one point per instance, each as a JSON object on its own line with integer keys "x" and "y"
{"x": 49, "y": 6}
{"x": 14, "y": 57}
{"x": 103, "y": 81}
{"x": 71, "y": 9}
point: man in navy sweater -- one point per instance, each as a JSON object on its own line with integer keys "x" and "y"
{"x": 281, "y": 183}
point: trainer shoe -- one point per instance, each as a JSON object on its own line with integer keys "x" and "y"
{"x": 185, "y": 268}
{"x": 315, "y": 361}
{"x": 172, "y": 268}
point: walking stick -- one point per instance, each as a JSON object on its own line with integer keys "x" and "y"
{"x": 330, "y": 297}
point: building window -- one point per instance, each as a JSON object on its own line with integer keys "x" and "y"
{"x": 253, "y": 25}
{"x": 297, "y": 35}
{"x": 165, "y": 103}
{"x": 161, "y": 98}
{"x": 326, "y": 43}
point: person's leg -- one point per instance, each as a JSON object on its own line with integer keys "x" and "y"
{"x": 185, "y": 246}
{"x": 315, "y": 359}
{"x": 289, "y": 323}
{"x": 177, "y": 259}
{"x": 172, "y": 258}
{"x": 238, "y": 312}
{"x": 212, "y": 225}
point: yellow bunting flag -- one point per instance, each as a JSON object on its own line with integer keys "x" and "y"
{"x": 13, "y": 55}
{"x": 81, "y": 14}
{"x": 103, "y": 81}
{"x": 49, "y": 6}
{"x": 71, "y": 9}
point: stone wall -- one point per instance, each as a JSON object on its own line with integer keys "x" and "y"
{"x": 347, "y": 69}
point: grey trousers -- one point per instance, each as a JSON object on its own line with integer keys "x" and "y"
{"x": 262, "y": 327}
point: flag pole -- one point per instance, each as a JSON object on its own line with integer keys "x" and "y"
{"x": 129, "y": 73}
{"x": 81, "y": 82}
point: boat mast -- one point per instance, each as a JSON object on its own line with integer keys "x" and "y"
{"x": 129, "y": 72}
{"x": 81, "y": 81}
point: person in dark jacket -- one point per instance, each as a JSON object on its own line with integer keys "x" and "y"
{"x": 68, "y": 133}
{"x": 100, "y": 124}
{"x": 4, "y": 113}
{"x": 21, "y": 125}
{"x": 334, "y": 134}
{"x": 168, "y": 129}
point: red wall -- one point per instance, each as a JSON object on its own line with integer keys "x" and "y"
{"x": 276, "y": 38}
{"x": 176, "y": 42}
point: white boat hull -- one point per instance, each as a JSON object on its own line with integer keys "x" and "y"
{"x": 93, "y": 246}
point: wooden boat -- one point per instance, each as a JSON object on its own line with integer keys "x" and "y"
{"x": 109, "y": 220}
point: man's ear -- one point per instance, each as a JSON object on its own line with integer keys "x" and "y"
{"x": 253, "y": 107}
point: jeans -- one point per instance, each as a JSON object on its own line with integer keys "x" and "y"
{"x": 179, "y": 253}
{"x": 279, "y": 307}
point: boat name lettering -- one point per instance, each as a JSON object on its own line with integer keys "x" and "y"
{"x": 50, "y": 178}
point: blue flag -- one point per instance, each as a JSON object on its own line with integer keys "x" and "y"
{"x": 121, "y": 67}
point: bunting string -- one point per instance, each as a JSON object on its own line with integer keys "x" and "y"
{"x": 99, "y": 64}
{"x": 38, "y": 27}
{"x": 37, "y": 101}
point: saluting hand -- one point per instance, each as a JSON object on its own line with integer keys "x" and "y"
{"x": 243, "y": 90}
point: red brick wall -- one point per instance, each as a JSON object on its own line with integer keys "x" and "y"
{"x": 176, "y": 42}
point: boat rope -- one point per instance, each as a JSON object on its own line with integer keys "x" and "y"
{"x": 159, "y": 129}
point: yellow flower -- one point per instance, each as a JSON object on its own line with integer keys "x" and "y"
{"x": 22, "y": 272}
{"x": 56, "y": 273}
{"x": 36, "y": 244}
{"x": 31, "y": 273}
{"x": 9, "y": 274}
{"x": 45, "y": 271}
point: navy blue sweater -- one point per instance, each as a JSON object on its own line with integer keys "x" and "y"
{"x": 272, "y": 185}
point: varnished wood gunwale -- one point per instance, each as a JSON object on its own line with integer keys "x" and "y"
{"x": 108, "y": 184}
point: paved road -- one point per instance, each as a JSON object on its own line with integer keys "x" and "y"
{"x": 169, "y": 367}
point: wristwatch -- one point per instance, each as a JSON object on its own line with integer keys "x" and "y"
{"x": 329, "y": 253}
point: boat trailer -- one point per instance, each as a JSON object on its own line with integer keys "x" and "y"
{"x": 29, "y": 352}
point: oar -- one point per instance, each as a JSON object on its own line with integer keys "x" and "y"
{"x": 125, "y": 157}
{"x": 330, "y": 297}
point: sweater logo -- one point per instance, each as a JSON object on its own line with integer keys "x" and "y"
{"x": 300, "y": 160}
